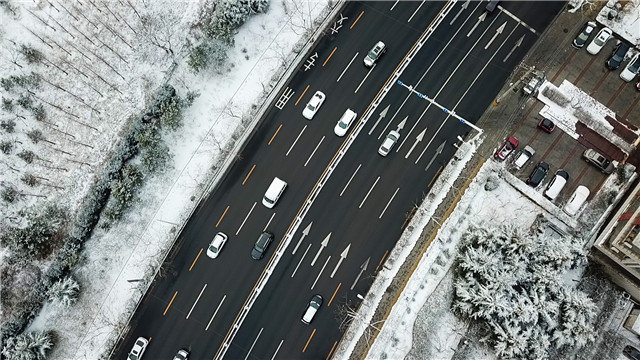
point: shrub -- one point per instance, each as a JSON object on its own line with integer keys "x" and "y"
{"x": 30, "y": 346}
{"x": 10, "y": 194}
{"x": 38, "y": 112}
{"x": 8, "y": 125}
{"x": 27, "y": 156}
{"x": 230, "y": 15}
{"x": 7, "y": 104}
{"x": 6, "y": 147}
{"x": 64, "y": 292}
{"x": 29, "y": 179}
{"x": 35, "y": 135}
{"x": 32, "y": 55}
{"x": 171, "y": 113}
{"x": 208, "y": 54}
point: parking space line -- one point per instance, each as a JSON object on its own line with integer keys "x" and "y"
{"x": 197, "y": 299}
{"x": 170, "y": 302}
{"x": 330, "y": 55}
{"x": 334, "y": 294}
{"x": 566, "y": 160}
{"x": 381, "y": 260}
{"x": 300, "y": 262}
{"x": 196, "y": 259}
{"x": 553, "y": 144}
{"x": 268, "y": 222}
{"x": 331, "y": 352}
{"x": 389, "y": 202}
{"x": 358, "y": 18}
{"x": 301, "y": 95}
{"x": 296, "y": 140}
{"x": 274, "y": 135}
{"x": 615, "y": 95}
{"x": 223, "y": 214}
{"x": 351, "y": 178}
{"x": 369, "y": 192}
{"x": 566, "y": 62}
{"x": 215, "y": 312}
{"x": 365, "y": 78}
{"x": 606, "y": 74}
{"x": 278, "y": 349}
{"x": 245, "y": 218}
{"x": 535, "y": 135}
{"x": 254, "y": 344}
{"x": 349, "y": 64}
{"x": 250, "y": 171}
{"x": 314, "y": 151}
{"x": 635, "y": 102}
{"x": 414, "y": 13}
{"x": 584, "y": 71}
{"x": 308, "y": 341}
{"x": 320, "y": 273}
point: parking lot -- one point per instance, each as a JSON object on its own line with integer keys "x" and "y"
{"x": 559, "y": 149}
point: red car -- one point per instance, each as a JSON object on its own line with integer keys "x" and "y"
{"x": 547, "y": 125}
{"x": 509, "y": 146}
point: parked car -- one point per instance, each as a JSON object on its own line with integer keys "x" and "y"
{"x": 345, "y": 122}
{"x": 584, "y": 34}
{"x": 617, "y": 56}
{"x": 631, "y": 353}
{"x": 576, "y": 201}
{"x": 216, "y": 245}
{"x": 538, "y": 174}
{"x": 599, "y": 41}
{"x": 138, "y": 349}
{"x": 182, "y": 354}
{"x": 524, "y": 156}
{"x": 602, "y": 163}
{"x": 375, "y": 54}
{"x": 509, "y": 146}
{"x": 313, "y": 105}
{"x": 312, "y": 309}
{"x": 547, "y": 125}
{"x": 632, "y": 68}
{"x": 556, "y": 184}
{"x": 389, "y": 141}
{"x": 261, "y": 245}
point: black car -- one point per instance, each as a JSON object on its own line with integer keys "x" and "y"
{"x": 261, "y": 246}
{"x": 538, "y": 174}
{"x": 584, "y": 34}
{"x": 617, "y": 56}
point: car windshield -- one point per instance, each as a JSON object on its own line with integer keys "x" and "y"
{"x": 311, "y": 107}
{"x": 132, "y": 357}
{"x": 213, "y": 248}
{"x": 373, "y": 54}
{"x": 583, "y": 36}
{"x": 342, "y": 125}
{"x": 599, "y": 40}
{"x": 635, "y": 65}
{"x": 392, "y": 137}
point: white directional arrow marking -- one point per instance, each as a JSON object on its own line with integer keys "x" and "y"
{"x": 418, "y": 139}
{"x": 498, "y": 32}
{"x": 323, "y": 245}
{"x": 438, "y": 152}
{"x": 305, "y": 232}
{"x": 342, "y": 257}
{"x": 382, "y": 115}
{"x": 402, "y": 124}
{"x": 480, "y": 19}
{"x": 464, "y": 6}
{"x": 518, "y": 43}
{"x": 363, "y": 268}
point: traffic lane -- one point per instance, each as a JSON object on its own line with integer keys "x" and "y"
{"x": 536, "y": 14}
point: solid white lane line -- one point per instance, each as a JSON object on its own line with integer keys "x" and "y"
{"x": 414, "y": 13}
{"x": 296, "y": 140}
{"x": 215, "y": 312}
{"x": 194, "y": 304}
{"x": 278, "y": 349}
{"x": 394, "y": 5}
{"x": 314, "y": 151}
{"x": 425, "y": 74}
{"x": 245, "y": 218}
{"x": 369, "y": 192}
{"x": 390, "y": 200}
{"x": 349, "y": 64}
{"x": 365, "y": 78}
{"x": 268, "y": 222}
{"x": 351, "y": 178}
{"x": 320, "y": 273}
{"x": 300, "y": 262}
{"x": 254, "y": 344}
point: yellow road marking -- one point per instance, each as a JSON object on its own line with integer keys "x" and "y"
{"x": 301, "y": 95}
{"x": 150, "y": 339}
{"x": 382, "y": 260}
{"x": 170, "y": 302}
{"x": 434, "y": 177}
{"x": 274, "y": 135}
{"x": 331, "y": 352}
{"x": 253, "y": 167}
{"x": 330, "y": 55}
{"x": 354, "y": 23}
{"x": 308, "y": 341}
{"x": 223, "y": 214}
{"x": 334, "y": 294}
{"x": 196, "y": 259}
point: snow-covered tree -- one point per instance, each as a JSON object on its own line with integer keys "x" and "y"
{"x": 9, "y": 194}
{"x": 27, "y": 156}
{"x": 209, "y": 54}
{"x": 30, "y": 346}
{"x": 31, "y": 54}
{"x": 45, "y": 227}
{"x": 65, "y": 292}
{"x": 6, "y": 146}
{"x": 8, "y": 125}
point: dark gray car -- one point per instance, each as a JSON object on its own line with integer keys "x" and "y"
{"x": 617, "y": 56}
{"x": 261, "y": 246}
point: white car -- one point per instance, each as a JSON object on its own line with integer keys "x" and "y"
{"x": 389, "y": 141}
{"x": 182, "y": 354}
{"x": 313, "y": 105}
{"x": 576, "y": 201}
{"x": 345, "y": 122}
{"x": 632, "y": 69}
{"x": 374, "y": 54}
{"x": 216, "y": 245}
{"x": 598, "y": 42}
{"x": 138, "y": 349}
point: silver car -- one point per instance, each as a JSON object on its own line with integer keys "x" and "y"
{"x": 374, "y": 55}
{"x": 605, "y": 165}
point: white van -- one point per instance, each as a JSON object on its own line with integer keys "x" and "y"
{"x": 345, "y": 122}
{"x": 274, "y": 192}
{"x": 577, "y": 200}
{"x": 524, "y": 156}
{"x": 556, "y": 184}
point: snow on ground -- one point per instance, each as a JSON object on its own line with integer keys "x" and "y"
{"x": 626, "y": 24}
{"x": 133, "y": 248}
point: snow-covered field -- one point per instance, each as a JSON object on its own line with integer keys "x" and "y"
{"x": 220, "y": 116}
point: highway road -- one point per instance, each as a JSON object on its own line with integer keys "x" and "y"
{"x": 361, "y": 210}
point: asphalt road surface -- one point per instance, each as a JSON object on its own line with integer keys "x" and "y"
{"x": 362, "y": 209}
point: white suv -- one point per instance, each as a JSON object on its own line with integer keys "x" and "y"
{"x": 313, "y": 105}
{"x": 389, "y": 141}
{"x": 345, "y": 122}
